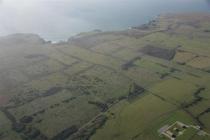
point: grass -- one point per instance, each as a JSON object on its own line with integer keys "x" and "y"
{"x": 152, "y": 66}
{"x": 205, "y": 120}
{"x": 200, "y": 62}
{"x": 189, "y": 134}
{"x": 130, "y": 119}
{"x": 202, "y": 105}
{"x": 174, "y": 90}
{"x": 45, "y": 67}
{"x": 44, "y": 83}
{"x": 5, "y": 129}
{"x": 63, "y": 116}
{"x": 88, "y": 55}
{"x": 183, "y": 57}
{"x": 56, "y": 83}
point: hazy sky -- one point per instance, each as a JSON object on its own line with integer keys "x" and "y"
{"x": 58, "y": 19}
{"x": 38, "y": 16}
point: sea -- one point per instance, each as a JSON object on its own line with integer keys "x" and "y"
{"x": 57, "y": 20}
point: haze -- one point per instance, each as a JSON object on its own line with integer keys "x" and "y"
{"x": 59, "y": 19}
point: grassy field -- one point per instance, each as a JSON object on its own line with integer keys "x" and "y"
{"x": 122, "y": 85}
{"x": 140, "y": 119}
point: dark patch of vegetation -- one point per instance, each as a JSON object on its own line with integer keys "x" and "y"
{"x": 207, "y": 31}
{"x": 173, "y": 136}
{"x": 103, "y": 107}
{"x": 34, "y": 133}
{"x": 162, "y": 65}
{"x": 194, "y": 75}
{"x": 23, "y": 137}
{"x": 181, "y": 63}
{"x": 89, "y": 130}
{"x": 18, "y": 127}
{"x": 167, "y": 54}
{"x": 110, "y": 101}
{"x": 208, "y": 71}
{"x": 204, "y": 112}
{"x": 26, "y": 133}
{"x": 38, "y": 121}
{"x": 163, "y": 75}
{"x": 191, "y": 115}
{"x": 160, "y": 97}
{"x": 197, "y": 99}
{"x": 38, "y": 112}
{"x": 130, "y": 63}
{"x": 134, "y": 91}
{"x": 26, "y": 119}
{"x": 68, "y": 100}
{"x": 122, "y": 98}
{"x": 174, "y": 70}
{"x": 8, "y": 115}
{"x": 201, "y": 114}
{"x": 98, "y": 80}
{"x": 27, "y": 130}
{"x": 176, "y": 77}
{"x": 150, "y": 25}
{"x": 98, "y": 123}
{"x": 178, "y": 46}
{"x": 171, "y": 70}
{"x": 66, "y": 133}
{"x": 52, "y": 91}
{"x": 41, "y": 111}
{"x": 142, "y": 27}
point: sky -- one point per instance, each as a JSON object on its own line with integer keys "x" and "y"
{"x": 39, "y": 16}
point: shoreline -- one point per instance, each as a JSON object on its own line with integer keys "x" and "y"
{"x": 81, "y": 33}
{"x": 95, "y": 31}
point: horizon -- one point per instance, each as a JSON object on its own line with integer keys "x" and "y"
{"x": 59, "y": 20}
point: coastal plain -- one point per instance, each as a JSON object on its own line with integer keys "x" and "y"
{"x": 116, "y": 85}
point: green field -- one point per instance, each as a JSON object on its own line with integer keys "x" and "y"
{"x": 122, "y": 85}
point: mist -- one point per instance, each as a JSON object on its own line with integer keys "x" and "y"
{"x": 59, "y": 19}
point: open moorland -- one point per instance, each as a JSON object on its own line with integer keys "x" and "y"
{"x": 122, "y": 85}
